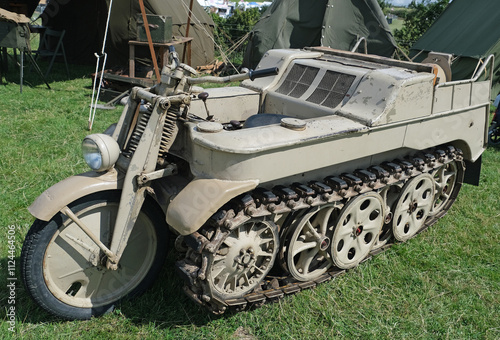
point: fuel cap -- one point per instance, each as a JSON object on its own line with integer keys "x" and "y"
{"x": 210, "y": 127}
{"x": 293, "y": 124}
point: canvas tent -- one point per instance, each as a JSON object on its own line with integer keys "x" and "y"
{"x": 332, "y": 23}
{"x": 85, "y": 22}
{"x": 468, "y": 30}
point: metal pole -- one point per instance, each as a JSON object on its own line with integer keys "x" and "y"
{"x": 22, "y": 71}
{"x": 187, "y": 31}
{"x": 150, "y": 41}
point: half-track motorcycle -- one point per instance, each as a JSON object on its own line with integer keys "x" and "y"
{"x": 318, "y": 160}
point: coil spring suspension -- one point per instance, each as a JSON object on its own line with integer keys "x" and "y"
{"x": 137, "y": 134}
{"x": 169, "y": 129}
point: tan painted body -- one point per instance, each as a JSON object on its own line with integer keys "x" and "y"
{"x": 390, "y": 110}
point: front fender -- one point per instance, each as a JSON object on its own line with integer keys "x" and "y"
{"x": 52, "y": 200}
{"x": 200, "y": 199}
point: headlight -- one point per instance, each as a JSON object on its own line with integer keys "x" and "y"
{"x": 100, "y": 151}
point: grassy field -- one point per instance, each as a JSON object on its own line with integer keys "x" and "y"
{"x": 444, "y": 284}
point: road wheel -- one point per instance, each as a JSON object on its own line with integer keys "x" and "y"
{"x": 357, "y": 229}
{"x": 413, "y": 207}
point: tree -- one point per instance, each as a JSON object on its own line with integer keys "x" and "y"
{"x": 384, "y": 5}
{"x": 418, "y": 19}
{"x": 230, "y": 31}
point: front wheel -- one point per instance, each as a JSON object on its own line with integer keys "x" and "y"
{"x": 65, "y": 272}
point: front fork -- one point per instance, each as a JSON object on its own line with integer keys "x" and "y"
{"x": 137, "y": 179}
{"x": 133, "y": 194}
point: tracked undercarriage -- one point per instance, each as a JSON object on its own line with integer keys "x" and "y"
{"x": 314, "y": 231}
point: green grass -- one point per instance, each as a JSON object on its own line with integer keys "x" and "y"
{"x": 396, "y": 24}
{"x": 444, "y": 284}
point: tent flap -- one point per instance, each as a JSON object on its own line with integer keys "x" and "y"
{"x": 333, "y": 23}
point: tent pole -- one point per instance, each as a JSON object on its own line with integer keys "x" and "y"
{"x": 150, "y": 41}
{"x": 95, "y": 98}
{"x": 187, "y": 31}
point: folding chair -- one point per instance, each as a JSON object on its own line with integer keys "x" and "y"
{"x": 50, "y": 39}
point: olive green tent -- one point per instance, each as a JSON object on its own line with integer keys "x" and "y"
{"x": 332, "y": 23}
{"x": 85, "y": 22}
{"x": 470, "y": 31}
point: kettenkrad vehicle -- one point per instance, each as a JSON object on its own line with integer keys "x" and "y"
{"x": 319, "y": 160}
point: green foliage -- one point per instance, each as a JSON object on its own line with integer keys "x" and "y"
{"x": 418, "y": 19}
{"x": 384, "y": 5}
{"x": 400, "y": 12}
{"x": 229, "y": 31}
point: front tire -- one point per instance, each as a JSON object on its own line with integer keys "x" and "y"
{"x": 64, "y": 271}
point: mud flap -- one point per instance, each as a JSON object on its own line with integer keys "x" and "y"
{"x": 473, "y": 171}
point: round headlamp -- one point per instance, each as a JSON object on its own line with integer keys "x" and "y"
{"x": 100, "y": 151}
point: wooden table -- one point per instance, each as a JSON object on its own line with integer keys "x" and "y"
{"x": 163, "y": 51}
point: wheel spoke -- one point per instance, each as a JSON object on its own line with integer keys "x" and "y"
{"x": 312, "y": 230}
{"x": 300, "y": 246}
{"x": 306, "y": 259}
{"x": 362, "y": 215}
{"x": 217, "y": 271}
{"x": 449, "y": 174}
{"x": 348, "y": 242}
{"x": 222, "y": 281}
{"x": 247, "y": 281}
{"x": 263, "y": 254}
{"x": 230, "y": 241}
{"x": 263, "y": 241}
{"x": 260, "y": 231}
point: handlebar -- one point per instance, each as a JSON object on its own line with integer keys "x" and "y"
{"x": 263, "y": 73}
{"x": 250, "y": 75}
